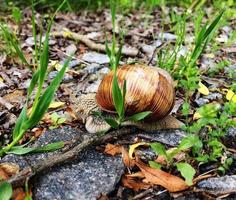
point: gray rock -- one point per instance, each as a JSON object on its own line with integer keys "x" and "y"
{"x": 71, "y": 49}
{"x": 93, "y": 88}
{"x": 94, "y": 57}
{"x": 148, "y": 49}
{"x": 206, "y": 99}
{"x": 218, "y": 185}
{"x": 167, "y": 36}
{"x": 170, "y": 137}
{"x": 87, "y": 177}
{"x": 93, "y": 68}
{"x": 104, "y": 71}
{"x": 230, "y": 138}
{"x": 3, "y": 86}
{"x": 92, "y": 175}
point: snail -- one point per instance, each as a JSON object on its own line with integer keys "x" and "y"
{"x": 147, "y": 89}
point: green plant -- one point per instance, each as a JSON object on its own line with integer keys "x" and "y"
{"x": 215, "y": 119}
{"x": 186, "y": 170}
{"x": 5, "y": 191}
{"x": 42, "y": 98}
{"x": 57, "y": 120}
{"x": 16, "y": 14}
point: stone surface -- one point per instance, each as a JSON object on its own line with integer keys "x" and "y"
{"x": 218, "y": 185}
{"x": 94, "y": 57}
{"x": 87, "y": 177}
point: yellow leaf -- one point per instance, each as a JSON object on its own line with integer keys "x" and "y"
{"x": 1, "y": 80}
{"x": 203, "y": 89}
{"x": 231, "y": 96}
{"x": 134, "y": 146}
{"x": 67, "y": 33}
{"x": 196, "y": 116}
{"x": 56, "y": 104}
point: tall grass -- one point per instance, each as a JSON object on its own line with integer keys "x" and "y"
{"x": 42, "y": 98}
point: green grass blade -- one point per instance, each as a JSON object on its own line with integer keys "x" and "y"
{"x": 49, "y": 147}
{"x": 11, "y": 40}
{"x": 33, "y": 83}
{"x": 139, "y": 116}
{"x": 46, "y": 98}
{"x": 19, "y": 123}
{"x": 117, "y": 95}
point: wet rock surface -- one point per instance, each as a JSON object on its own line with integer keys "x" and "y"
{"x": 87, "y": 177}
{"x": 218, "y": 185}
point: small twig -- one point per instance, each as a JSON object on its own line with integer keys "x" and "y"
{"x": 5, "y": 103}
{"x": 92, "y": 45}
{"x": 157, "y": 49}
{"x": 27, "y": 173}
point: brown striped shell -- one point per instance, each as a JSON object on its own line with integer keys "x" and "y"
{"x": 148, "y": 89}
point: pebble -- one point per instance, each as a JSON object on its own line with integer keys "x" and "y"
{"x": 104, "y": 70}
{"x": 167, "y": 36}
{"x": 93, "y": 57}
{"x": 92, "y": 68}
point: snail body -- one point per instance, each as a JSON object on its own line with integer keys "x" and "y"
{"x": 147, "y": 89}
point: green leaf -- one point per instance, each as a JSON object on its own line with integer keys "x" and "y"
{"x": 11, "y": 40}
{"x": 188, "y": 142}
{"x": 187, "y": 171}
{"x": 123, "y": 97}
{"x": 49, "y": 147}
{"x": 46, "y": 98}
{"x": 139, "y": 116}
{"x": 117, "y": 96}
{"x": 21, "y": 150}
{"x": 33, "y": 83}
{"x": 5, "y": 191}
{"x": 158, "y": 148}
{"x": 154, "y": 165}
{"x": 16, "y": 14}
{"x": 112, "y": 122}
{"x": 19, "y": 123}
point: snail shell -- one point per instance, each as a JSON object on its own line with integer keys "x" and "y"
{"x": 147, "y": 89}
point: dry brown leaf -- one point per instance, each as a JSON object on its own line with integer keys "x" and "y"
{"x": 38, "y": 131}
{"x": 103, "y": 198}
{"x": 10, "y": 168}
{"x": 3, "y": 175}
{"x": 112, "y": 149}
{"x": 156, "y": 176}
{"x": 71, "y": 112}
{"x": 134, "y": 184}
{"x": 18, "y": 194}
{"x": 136, "y": 174}
{"x": 126, "y": 159}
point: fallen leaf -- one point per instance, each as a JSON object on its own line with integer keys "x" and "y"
{"x": 56, "y": 104}
{"x": 103, "y": 198}
{"x": 134, "y": 184}
{"x": 71, "y": 112}
{"x": 126, "y": 159}
{"x": 18, "y": 194}
{"x": 197, "y": 115}
{"x": 134, "y": 146}
{"x": 136, "y": 174}
{"x": 112, "y": 149}
{"x": 231, "y": 96}
{"x": 156, "y": 176}
{"x": 10, "y": 168}
{"x": 3, "y": 175}
{"x": 203, "y": 89}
